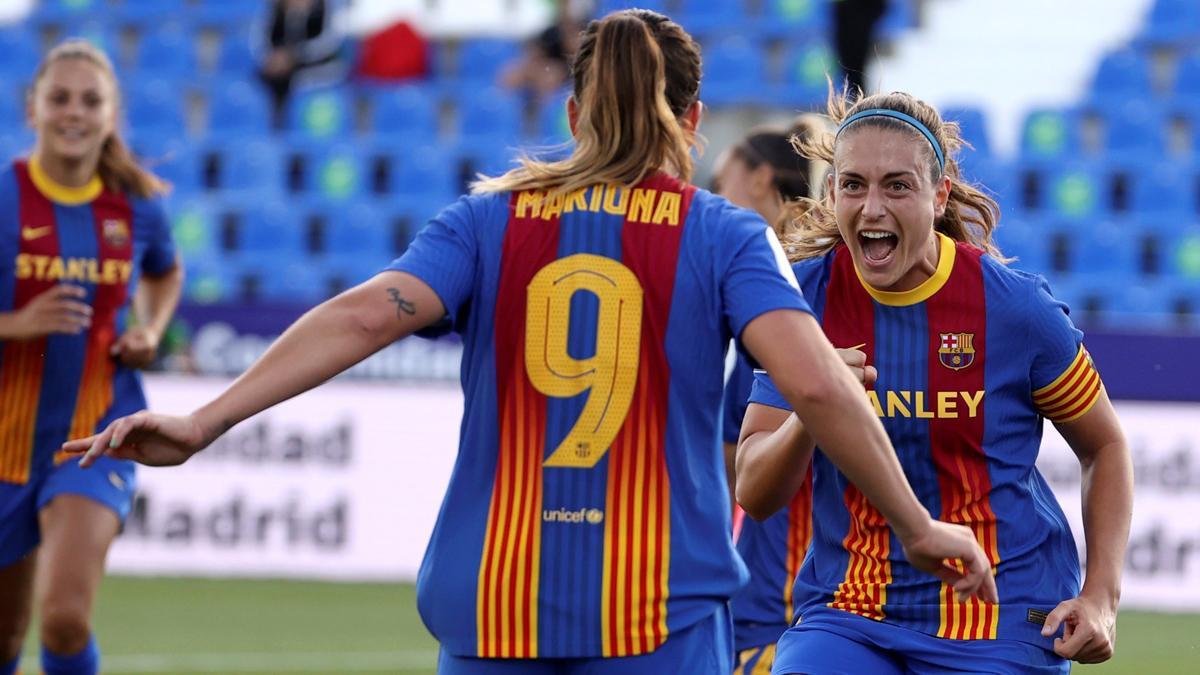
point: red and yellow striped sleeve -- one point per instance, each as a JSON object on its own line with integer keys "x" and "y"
{"x": 1072, "y": 393}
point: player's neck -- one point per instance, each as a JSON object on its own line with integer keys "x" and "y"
{"x": 72, "y": 173}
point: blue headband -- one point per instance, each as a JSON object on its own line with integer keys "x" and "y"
{"x": 909, "y": 120}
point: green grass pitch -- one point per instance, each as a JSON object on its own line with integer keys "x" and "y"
{"x": 173, "y": 626}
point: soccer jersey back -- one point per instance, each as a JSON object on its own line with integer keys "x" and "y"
{"x": 59, "y": 386}
{"x": 969, "y": 363}
{"x": 587, "y": 513}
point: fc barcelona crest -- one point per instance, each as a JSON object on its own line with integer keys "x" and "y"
{"x": 115, "y": 232}
{"x": 956, "y": 350}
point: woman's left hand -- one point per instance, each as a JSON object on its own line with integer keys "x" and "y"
{"x": 1089, "y": 629}
{"x": 136, "y": 348}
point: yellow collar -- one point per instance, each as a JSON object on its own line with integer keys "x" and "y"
{"x": 63, "y": 194}
{"x": 927, "y": 288}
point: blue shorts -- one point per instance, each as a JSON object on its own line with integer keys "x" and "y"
{"x": 110, "y": 482}
{"x": 833, "y": 642}
{"x": 755, "y": 660}
{"x": 705, "y": 648}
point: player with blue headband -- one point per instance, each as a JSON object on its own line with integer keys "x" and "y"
{"x": 962, "y": 358}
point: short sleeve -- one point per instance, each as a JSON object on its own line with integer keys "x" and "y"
{"x": 764, "y": 392}
{"x": 737, "y": 394}
{"x": 159, "y": 256}
{"x": 443, "y": 255}
{"x": 1064, "y": 379}
{"x": 758, "y": 278}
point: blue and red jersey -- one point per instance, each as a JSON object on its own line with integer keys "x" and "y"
{"x": 587, "y": 513}
{"x": 65, "y": 386}
{"x": 970, "y": 362}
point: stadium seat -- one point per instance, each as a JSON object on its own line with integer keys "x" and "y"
{"x": 734, "y": 73}
{"x": 322, "y": 114}
{"x": 267, "y": 228}
{"x": 900, "y": 16}
{"x": 1171, "y": 22}
{"x": 156, "y": 106}
{"x": 21, "y": 51}
{"x": 1183, "y": 254}
{"x": 226, "y": 15}
{"x": 427, "y": 171}
{"x": 1050, "y": 134}
{"x": 335, "y": 172}
{"x": 1075, "y": 191}
{"x": 491, "y": 118}
{"x": 479, "y": 62}
{"x": 207, "y": 280}
{"x": 1163, "y": 190}
{"x": 67, "y": 11}
{"x": 166, "y": 54}
{"x": 248, "y": 165}
{"x": 806, "y": 64}
{"x": 552, "y": 124}
{"x": 1123, "y": 75}
{"x": 1134, "y": 131}
{"x": 404, "y": 111}
{"x": 194, "y": 227}
{"x": 1026, "y": 241}
{"x": 238, "y": 107}
{"x": 1186, "y": 85}
{"x": 973, "y": 128}
{"x": 235, "y": 55}
{"x": 997, "y": 179}
{"x": 702, "y": 18}
{"x": 792, "y": 19}
{"x": 359, "y": 231}
{"x": 1103, "y": 250}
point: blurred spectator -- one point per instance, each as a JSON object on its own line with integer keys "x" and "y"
{"x": 545, "y": 65}
{"x": 303, "y": 45}
{"x": 854, "y": 23}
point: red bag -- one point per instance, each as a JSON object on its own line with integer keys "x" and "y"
{"x": 394, "y": 53}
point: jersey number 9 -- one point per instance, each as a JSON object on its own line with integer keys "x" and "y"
{"x": 610, "y": 373}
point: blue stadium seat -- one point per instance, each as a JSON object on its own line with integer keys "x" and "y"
{"x": 239, "y": 107}
{"x": 428, "y": 171}
{"x": 1104, "y": 251}
{"x": 1186, "y": 85}
{"x": 246, "y": 165}
{"x": 553, "y": 127}
{"x": 997, "y": 179}
{"x": 806, "y": 64}
{"x": 227, "y": 15}
{"x": 607, "y": 6}
{"x": 67, "y": 11}
{"x": 21, "y": 50}
{"x": 1075, "y": 191}
{"x": 407, "y": 111}
{"x": 1049, "y": 133}
{"x": 268, "y": 228}
{"x": 156, "y": 106}
{"x": 1121, "y": 76}
{"x": 1026, "y": 240}
{"x": 335, "y": 172}
{"x": 1134, "y": 131}
{"x": 706, "y": 17}
{"x": 360, "y": 231}
{"x": 322, "y": 114}
{"x": 235, "y": 55}
{"x": 294, "y": 282}
{"x": 492, "y": 117}
{"x": 973, "y": 127}
{"x": 734, "y": 70}
{"x": 207, "y": 280}
{"x": 900, "y": 16}
{"x": 101, "y": 34}
{"x": 171, "y": 158}
{"x": 1171, "y": 22}
{"x": 194, "y": 227}
{"x": 1183, "y": 249}
{"x": 793, "y": 19}
{"x": 167, "y": 54}
{"x": 1163, "y": 191}
{"x": 480, "y": 61}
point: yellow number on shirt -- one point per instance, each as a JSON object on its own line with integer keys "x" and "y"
{"x": 610, "y": 373}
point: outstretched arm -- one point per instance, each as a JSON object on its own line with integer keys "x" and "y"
{"x": 327, "y": 340}
{"x": 1091, "y": 619}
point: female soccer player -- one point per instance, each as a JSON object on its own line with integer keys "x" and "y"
{"x": 763, "y": 172}
{"x": 79, "y": 224}
{"x": 586, "y": 527}
{"x": 970, "y": 355}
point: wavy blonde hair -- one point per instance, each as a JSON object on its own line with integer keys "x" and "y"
{"x": 635, "y": 74}
{"x": 971, "y": 215}
{"x": 117, "y": 169}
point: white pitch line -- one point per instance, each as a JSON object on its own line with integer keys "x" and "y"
{"x": 264, "y": 662}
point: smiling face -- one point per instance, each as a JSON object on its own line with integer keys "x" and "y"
{"x": 886, "y": 205}
{"x": 73, "y": 110}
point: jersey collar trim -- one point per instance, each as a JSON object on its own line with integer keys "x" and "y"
{"x": 63, "y": 194}
{"x": 927, "y": 288}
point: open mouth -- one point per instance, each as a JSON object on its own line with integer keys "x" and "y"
{"x": 877, "y": 246}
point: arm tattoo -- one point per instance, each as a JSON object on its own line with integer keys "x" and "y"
{"x": 402, "y": 306}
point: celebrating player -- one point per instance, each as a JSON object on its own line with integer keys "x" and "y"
{"x": 80, "y": 229}
{"x": 586, "y": 518}
{"x": 969, "y": 356}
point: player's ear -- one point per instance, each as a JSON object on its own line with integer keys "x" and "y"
{"x": 572, "y": 113}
